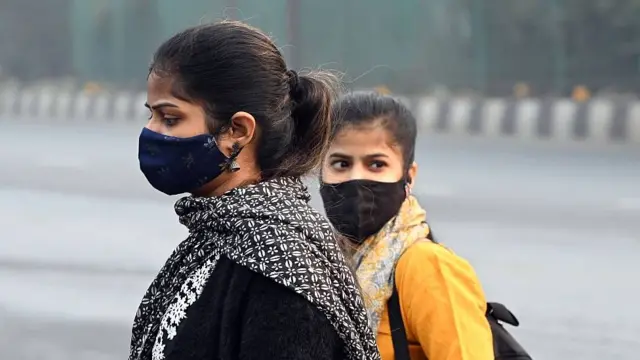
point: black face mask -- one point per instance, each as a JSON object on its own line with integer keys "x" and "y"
{"x": 360, "y": 208}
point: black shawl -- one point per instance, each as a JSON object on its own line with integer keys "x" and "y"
{"x": 270, "y": 229}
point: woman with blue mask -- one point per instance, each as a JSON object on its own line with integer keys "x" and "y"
{"x": 260, "y": 275}
{"x": 367, "y": 175}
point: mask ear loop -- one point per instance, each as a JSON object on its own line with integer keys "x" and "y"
{"x": 407, "y": 184}
{"x": 320, "y": 182}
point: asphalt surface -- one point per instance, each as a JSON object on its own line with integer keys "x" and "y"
{"x": 553, "y": 231}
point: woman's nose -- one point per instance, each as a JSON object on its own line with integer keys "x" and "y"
{"x": 153, "y": 126}
{"x": 357, "y": 173}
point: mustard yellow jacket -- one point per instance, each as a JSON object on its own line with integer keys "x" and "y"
{"x": 443, "y": 307}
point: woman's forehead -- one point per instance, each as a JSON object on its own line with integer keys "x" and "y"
{"x": 360, "y": 140}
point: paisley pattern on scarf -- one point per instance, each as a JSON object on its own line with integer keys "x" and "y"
{"x": 376, "y": 258}
{"x": 271, "y": 229}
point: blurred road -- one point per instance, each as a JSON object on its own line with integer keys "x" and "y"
{"x": 553, "y": 231}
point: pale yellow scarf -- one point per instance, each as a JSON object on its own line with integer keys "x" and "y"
{"x": 376, "y": 258}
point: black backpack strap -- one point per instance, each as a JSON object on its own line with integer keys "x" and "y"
{"x": 398, "y": 332}
{"x": 501, "y": 313}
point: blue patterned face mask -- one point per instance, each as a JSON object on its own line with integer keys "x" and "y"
{"x": 175, "y": 165}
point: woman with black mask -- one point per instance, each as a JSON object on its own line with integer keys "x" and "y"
{"x": 260, "y": 275}
{"x": 367, "y": 175}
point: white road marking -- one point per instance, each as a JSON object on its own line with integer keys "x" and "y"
{"x": 628, "y": 203}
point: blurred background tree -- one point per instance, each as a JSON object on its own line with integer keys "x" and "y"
{"x": 412, "y": 46}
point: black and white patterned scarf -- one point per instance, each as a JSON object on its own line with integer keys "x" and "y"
{"x": 271, "y": 229}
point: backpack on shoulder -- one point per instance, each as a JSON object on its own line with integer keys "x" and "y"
{"x": 505, "y": 346}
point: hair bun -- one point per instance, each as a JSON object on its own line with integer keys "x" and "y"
{"x": 294, "y": 84}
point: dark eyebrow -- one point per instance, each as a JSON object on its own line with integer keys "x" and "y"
{"x": 160, "y": 105}
{"x": 377, "y": 155}
{"x": 368, "y": 156}
{"x": 340, "y": 155}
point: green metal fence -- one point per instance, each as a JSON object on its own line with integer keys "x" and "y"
{"x": 411, "y": 46}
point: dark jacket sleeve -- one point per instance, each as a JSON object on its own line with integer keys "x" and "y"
{"x": 280, "y": 324}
